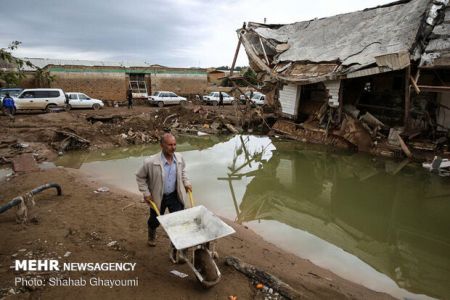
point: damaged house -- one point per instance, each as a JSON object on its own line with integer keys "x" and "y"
{"x": 376, "y": 80}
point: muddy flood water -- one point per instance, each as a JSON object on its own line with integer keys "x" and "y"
{"x": 381, "y": 223}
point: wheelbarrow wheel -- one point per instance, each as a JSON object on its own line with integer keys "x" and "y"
{"x": 205, "y": 265}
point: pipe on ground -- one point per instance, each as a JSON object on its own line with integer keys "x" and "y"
{"x": 33, "y": 192}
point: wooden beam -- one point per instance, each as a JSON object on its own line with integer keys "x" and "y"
{"x": 236, "y": 53}
{"x": 414, "y": 84}
{"x": 407, "y": 98}
{"x": 264, "y": 51}
{"x": 235, "y": 56}
{"x": 437, "y": 89}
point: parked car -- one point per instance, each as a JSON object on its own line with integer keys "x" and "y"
{"x": 45, "y": 99}
{"x": 213, "y": 98}
{"x": 249, "y": 95}
{"x": 258, "y": 99}
{"x": 162, "y": 98}
{"x": 80, "y": 100}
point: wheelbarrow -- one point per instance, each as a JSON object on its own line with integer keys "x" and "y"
{"x": 193, "y": 232}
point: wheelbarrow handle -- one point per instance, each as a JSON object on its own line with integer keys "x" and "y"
{"x": 191, "y": 198}
{"x": 153, "y": 205}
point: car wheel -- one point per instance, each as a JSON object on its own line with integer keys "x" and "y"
{"x": 96, "y": 106}
{"x": 68, "y": 107}
{"x": 214, "y": 103}
{"x": 233, "y": 102}
{"x": 160, "y": 104}
{"x": 50, "y": 107}
{"x": 183, "y": 103}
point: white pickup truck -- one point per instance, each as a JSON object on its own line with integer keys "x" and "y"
{"x": 213, "y": 98}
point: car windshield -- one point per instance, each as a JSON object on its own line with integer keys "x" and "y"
{"x": 212, "y": 94}
{"x": 156, "y": 94}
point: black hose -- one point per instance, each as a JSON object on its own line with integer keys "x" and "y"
{"x": 33, "y": 192}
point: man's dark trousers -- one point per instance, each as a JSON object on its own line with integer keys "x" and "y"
{"x": 169, "y": 201}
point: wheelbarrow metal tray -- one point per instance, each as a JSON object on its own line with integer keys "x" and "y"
{"x": 193, "y": 226}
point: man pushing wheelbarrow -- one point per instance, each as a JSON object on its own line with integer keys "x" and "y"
{"x": 163, "y": 181}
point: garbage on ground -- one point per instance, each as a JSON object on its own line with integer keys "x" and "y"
{"x": 439, "y": 165}
{"x": 179, "y": 274}
{"x": 112, "y": 244}
{"x": 102, "y": 189}
{"x": 200, "y": 133}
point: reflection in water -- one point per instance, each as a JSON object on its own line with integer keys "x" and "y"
{"x": 387, "y": 215}
{"x": 396, "y": 223}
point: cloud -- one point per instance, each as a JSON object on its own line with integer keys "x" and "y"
{"x": 173, "y": 32}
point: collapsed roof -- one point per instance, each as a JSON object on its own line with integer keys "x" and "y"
{"x": 361, "y": 43}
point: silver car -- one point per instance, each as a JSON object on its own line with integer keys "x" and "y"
{"x": 80, "y": 100}
{"x": 162, "y": 98}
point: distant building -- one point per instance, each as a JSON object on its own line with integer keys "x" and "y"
{"x": 216, "y": 76}
{"x": 111, "y": 80}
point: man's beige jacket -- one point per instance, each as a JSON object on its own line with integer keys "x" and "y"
{"x": 150, "y": 178}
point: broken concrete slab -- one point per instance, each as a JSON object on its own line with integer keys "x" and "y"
{"x": 24, "y": 163}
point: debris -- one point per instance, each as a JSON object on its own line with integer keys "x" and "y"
{"x": 200, "y": 133}
{"x": 24, "y": 163}
{"x": 112, "y": 244}
{"x": 371, "y": 120}
{"x": 127, "y": 206}
{"x": 423, "y": 146}
{"x": 231, "y": 128}
{"x": 439, "y": 165}
{"x": 179, "y": 274}
{"x": 67, "y": 254}
{"x": 392, "y": 137}
{"x": 404, "y": 147}
{"x": 352, "y": 110}
{"x": 102, "y": 189}
{"x": 168, "y": 117}
{"x": 262, "y": 276}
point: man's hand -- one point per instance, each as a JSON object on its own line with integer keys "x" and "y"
{"x": 147, "y": 200}
{"x": 188, "y": 188}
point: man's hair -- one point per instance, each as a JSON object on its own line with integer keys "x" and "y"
{"x": 161, "y": 139}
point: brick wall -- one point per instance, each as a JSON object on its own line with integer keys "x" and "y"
{"x": 183, "y": 84}
{"x": 102, "y": 85}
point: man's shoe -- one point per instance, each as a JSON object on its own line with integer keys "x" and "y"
{"x": 151, "y": 237}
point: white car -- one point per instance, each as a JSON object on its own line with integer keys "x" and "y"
{"x": 46, "y": 99}
{"x": 162, "y": 98}
{"x": 213, "y": 98}
{"x": 249, "y": 94}
{"x": 80, "y": 100}
{"x": 258, "y": 99}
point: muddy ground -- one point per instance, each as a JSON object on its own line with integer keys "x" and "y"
{"x": 48, "y": 134}
{"x": 79, "y": 225}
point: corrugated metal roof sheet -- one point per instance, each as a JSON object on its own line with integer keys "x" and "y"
{"x": 437, "y": 52}
{"x": 43, "y": 62}
{"x": 352, "y": 38}
{"x": 386, "y": 37}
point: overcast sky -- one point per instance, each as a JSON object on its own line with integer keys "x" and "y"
{"x": 179, "y": 33}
